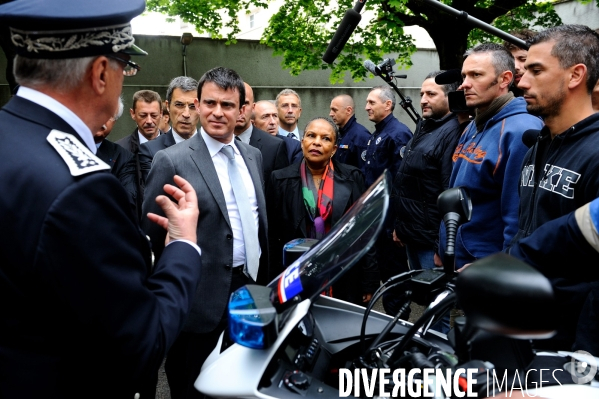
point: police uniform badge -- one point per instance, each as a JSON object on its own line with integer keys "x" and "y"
{"x": 402, "y": 151}
{"x": 76, "y": 155}
{"x": 363, "y": 155}
{"x": 378, "y": 141}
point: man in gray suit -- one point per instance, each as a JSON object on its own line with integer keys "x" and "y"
{"x": 202, "y": 161}
{"x": 180, "y": 97}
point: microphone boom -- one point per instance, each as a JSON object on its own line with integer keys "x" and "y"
{"x": 346, "y": 28}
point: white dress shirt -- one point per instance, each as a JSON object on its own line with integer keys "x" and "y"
{"x": 221, "y": 164}
{"x": 246, "y": 135}
{"x": 178, "y": 138}
{"x": 285, "y": 133}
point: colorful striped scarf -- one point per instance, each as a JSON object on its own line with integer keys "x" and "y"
{"x": 320, "y": 210}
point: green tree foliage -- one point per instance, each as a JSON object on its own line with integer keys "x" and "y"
{"x": 301, "y": 30}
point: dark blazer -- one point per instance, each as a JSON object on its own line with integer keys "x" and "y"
{"x": 287, "y": 216}
{"x": 114, "y": 155}
{"x": 80, "y": 307}
{"x": 274, "y": 151}
{"x": 119, "y": 160}
{"x": 131, "y": 143}
{"x": 148, "y": 149}
{"x": 294, "y": 149}
{"x": 191, "y": 160}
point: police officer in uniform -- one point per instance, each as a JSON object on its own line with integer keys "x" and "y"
{"x": 82, "y": 315}
{"x": 384, "y": 152}
{"x": 353, "y": 137}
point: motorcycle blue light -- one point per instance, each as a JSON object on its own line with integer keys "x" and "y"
{"x": 252, "y": 317}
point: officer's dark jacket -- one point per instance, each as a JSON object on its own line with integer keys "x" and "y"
{"x": 423, "y": 174}
{"x": 384, "y": 148}
{"x": 353, "y": 142}
{"x": 80, "y": 313}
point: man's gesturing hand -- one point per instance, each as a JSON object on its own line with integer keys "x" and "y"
{"x": 181, "y": 217}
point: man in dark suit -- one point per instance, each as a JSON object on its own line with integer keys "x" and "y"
{"x": 81, "y": 311}
{"x": 117, "y": 157}
{"x": 146, "y": 111}
{"x": 266, "y": 117}
{"x": 274, "y": 151}
{"x": 180, "y": 97}
{"x": 232, "y": 255}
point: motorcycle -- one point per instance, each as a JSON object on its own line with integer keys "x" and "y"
{"x": 286, "y": 340}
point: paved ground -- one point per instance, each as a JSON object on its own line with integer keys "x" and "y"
{"x": 162, "y": 391}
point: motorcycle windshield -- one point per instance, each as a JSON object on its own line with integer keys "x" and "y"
{"x": 321, "y": 266}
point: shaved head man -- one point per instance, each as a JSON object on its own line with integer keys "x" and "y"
{"x": 266, "y": 117}
{"x": 353, "y": 137}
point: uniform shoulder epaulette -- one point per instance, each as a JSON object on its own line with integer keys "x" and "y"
{"x": 76, "y": 155}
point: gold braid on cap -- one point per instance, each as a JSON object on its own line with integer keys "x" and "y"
{"x": 116, "y": 38}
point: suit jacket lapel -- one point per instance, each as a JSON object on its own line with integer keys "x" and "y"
{"x": 134, "y": 143}
{"x": 299, "y": 211}
{"x": 170, "y": 139}
{"x": 255, "y": 140}
{"x": 201, "y": 157}
{"x": 107, "y": 154}
{"x": 341, "y": 197}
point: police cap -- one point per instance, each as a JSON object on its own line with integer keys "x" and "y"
{"x": 61, "y": 29}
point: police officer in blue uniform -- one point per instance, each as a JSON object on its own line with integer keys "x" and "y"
{"x": 384, "y": 152}
{"x": 390, "y": 135}
{"x": 353, "y": 137}
{"x": 83, "y": 313}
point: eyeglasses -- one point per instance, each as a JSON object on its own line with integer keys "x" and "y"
{"x": 130, "y": 68}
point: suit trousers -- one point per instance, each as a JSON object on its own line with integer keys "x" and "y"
{"x": 187, "y": 355}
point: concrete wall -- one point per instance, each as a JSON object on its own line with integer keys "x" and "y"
{"x": 256, "y": 65}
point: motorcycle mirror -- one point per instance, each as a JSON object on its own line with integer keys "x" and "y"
{"x": 504, "y": 295}
{"x": 456, "y": 207}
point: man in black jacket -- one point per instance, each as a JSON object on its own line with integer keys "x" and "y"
{"x": 274, "y": 150}
{"x": 424, "y": 173}
{"x": 559, "y": 172}
{"x": 117, "y": 157}
{"x": 146, "y": 111}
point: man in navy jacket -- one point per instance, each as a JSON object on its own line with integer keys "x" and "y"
{"x": 83, "y": 312}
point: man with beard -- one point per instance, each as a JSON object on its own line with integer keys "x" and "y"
{"x": 424, "y": 174}
{"x": 519, "y": 57}
{"x": 559, "y": 172}
{"x": 84, "y": 311}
